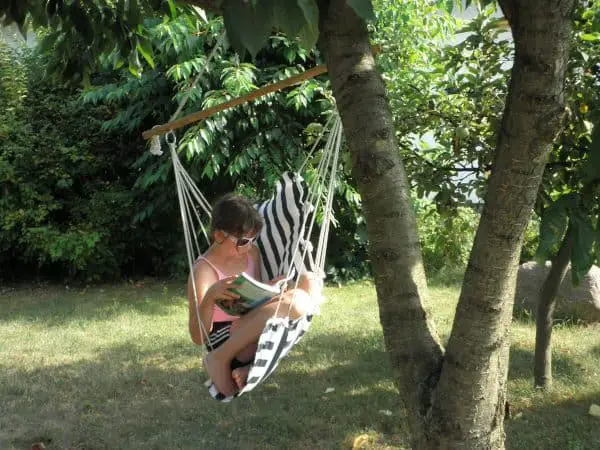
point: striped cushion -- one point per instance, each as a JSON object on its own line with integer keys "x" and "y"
{"x": 284, "y": 215}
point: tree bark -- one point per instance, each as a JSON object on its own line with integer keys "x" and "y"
{"x": 542, "y": 369}
{"x": 410, "y": 336}
{"x": 469, "y": 402}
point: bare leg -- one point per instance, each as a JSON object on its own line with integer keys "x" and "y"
{"x": 248, "y": 330}
{"x": 247, "y": 354}
{"x": 312, "y": 284}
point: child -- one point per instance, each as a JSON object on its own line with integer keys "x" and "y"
{"x": 232, "y": 340}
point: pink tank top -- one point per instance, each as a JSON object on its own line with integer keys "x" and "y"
{"x": 218, "y": 314}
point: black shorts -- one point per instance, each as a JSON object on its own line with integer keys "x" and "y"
{"x": 220, "y": 333}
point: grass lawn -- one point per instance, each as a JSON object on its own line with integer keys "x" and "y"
{"x": 112, "y": 368}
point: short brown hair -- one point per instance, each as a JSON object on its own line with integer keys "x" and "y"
{"x": 235, "y": 215}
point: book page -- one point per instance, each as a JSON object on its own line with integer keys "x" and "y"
{"x": 253, "y": 291}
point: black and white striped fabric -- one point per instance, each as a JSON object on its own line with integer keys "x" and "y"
{"x": 284, "y": 215}
{"x": 277, "y": 339}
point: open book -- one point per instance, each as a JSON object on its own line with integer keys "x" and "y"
{"x": 252, "y": 294}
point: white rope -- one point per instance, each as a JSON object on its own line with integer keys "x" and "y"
{"x": 186, "y": 188}
{"x": 317, "y": 141}
{"x": 187, "y": 236}
{"x": 322, "y": 245}
{"x": 328, "y": 163}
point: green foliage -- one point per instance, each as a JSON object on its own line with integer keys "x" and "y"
{"x": 448, "y": 151}
{"x": 531, "y": 239}
{"x": 84, "y": 31}
{"x": 448, "y": 106}
{"x": 245, "y": 148}
{"x": 582, "y": 255}
{"x": 554, "y": 225}
{"x": 66, "y": 202}
{"x": 68, "y": 233}
{"x": 446, "y": 238}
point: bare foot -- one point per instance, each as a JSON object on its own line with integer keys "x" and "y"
{"x": 220, "y": 374}
{"x": 240, "y": 376}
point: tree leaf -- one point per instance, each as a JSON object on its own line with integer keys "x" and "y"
{"x": 172, "y": 8}
{"x": 252, "y": 24}
{"x": 590, "y": 37}
{"x": 591, "y": 168}
{"x": 201, "y": 13}
{"x": 308, "y": 36}
{"x": 582, "y": 255}
{"x": 135, "y": 66}
{"x": 363, "y": 8}
{"x": 309, "y": 33}
{"x": 552, "y": 229}
{"x": 81, "y": 22}
{"x": 311, "y": 12}
{"x": 289, "y": 17}
{"x": 144, "y": 46}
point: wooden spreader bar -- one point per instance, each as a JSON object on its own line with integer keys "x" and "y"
{"x": 201, "y": 115}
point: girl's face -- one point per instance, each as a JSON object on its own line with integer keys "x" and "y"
{"x": 240, "y": 244}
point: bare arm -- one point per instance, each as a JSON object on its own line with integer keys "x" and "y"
{"x": 209, "y": 289}
{"x": 203, "y": 278}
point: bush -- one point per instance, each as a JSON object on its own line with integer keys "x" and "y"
{"x": 67, "y": 200}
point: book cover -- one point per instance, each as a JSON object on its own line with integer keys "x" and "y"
{"x": 252, "y": 294}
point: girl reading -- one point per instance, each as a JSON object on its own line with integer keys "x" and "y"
{"x": 232, "y": 340}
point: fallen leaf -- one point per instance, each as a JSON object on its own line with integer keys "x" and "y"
{"x": 359, "y": 441}
{"x": 329, "y": 390}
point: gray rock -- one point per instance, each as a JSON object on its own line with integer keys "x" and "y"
{"x": 581, "y": 302}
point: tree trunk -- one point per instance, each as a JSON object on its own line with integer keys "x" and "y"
{"x": 542, "y": 369}
{"x": 410, "y": 336}
{"x": 469, "y": 402}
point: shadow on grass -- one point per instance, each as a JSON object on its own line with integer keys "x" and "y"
{"x": 58, "y": 306}
{"x": 555, "y": 425}
{"x": 563, "y": 366}
{"x": 125, "y": 398}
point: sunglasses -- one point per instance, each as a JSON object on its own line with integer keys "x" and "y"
{"x": 241, "y": 242}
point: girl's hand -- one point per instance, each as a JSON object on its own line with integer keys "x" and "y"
{"x": 274, "y": 281}
{"x": 220, "y": 290}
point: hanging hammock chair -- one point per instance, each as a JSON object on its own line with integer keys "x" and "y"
{"x": 284, "y": 241}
